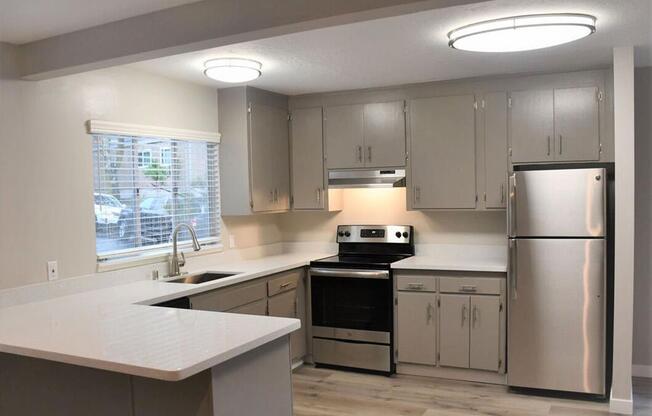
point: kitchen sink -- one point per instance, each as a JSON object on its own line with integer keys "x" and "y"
{"x": 201, "y": 278}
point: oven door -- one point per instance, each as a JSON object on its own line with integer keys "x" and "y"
{"x": 354, "y": 304}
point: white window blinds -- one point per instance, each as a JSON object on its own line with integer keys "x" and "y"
{"x": 145, "y": 186}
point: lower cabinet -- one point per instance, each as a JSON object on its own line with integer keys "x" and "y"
{"x": 282, "y": 295}
{"x": 417, "y": 327}
{"x": 450, "y": 321}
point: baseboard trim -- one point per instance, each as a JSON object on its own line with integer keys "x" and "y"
{"x": 642, "y": 370}
{"x": 621, "y": 406}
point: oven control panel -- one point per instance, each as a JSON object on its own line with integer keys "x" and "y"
{"x": 374, "y": 234}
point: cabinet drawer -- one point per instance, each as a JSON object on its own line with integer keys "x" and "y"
{"x": 481, "y": 285}
{"x": 258, "y": 307}
{"x": 284, "y": 282}
{"x": 284, "y": 305}
{"x": 416, "y": 283}
{"x": 229, "y": 298}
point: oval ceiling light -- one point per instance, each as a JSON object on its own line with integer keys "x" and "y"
{"x": 232, "y": 70}
{"x": 522, "y": 33}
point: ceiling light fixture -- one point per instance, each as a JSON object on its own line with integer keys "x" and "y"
{"x": 522, "y": 33}
{"x": 232, "y": 70}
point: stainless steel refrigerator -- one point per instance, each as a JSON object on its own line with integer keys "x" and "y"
{"x": 557, "y": 280}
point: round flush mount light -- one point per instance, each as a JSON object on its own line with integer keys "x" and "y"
{"x": 232, "y": 70}
{"x": 522, "y": 33}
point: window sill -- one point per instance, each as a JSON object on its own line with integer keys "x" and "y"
{"x": 158, "y": 256}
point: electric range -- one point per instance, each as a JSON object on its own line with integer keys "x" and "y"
{"x": 352, "y": 297}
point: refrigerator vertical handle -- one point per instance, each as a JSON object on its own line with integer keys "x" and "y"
{"x": 512, "y": 272}
{"x": 511, "y": 206}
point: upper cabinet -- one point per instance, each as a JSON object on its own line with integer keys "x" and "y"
{"x": 555, "y": 125}
{"x": 254, "y": 151}
{"x": 442, "y": 149}
{"x": 494, "y": 112}
{"x": 308, "y": 188}
{"x": 365, "y": 135}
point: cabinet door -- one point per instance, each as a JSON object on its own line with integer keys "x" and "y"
{"x": 442, "y": 133}
{"x": 307, "y": 159}
{"x": 280, "y": 135}
{"x": 485, "y": 333}
{"x": 495, "y": 149}
{"x": 263, "y": 128}
{"x": 454, "y": 331}
{"x": 344, "y": 136}
{"x": 255, "y": 308}
{"x": 417, "y": 330}
{"x": 531, "y": 126}
{"x": 285, "y": 305}
{"x": 384, "y": 134}
{"x": 577, "y": 126}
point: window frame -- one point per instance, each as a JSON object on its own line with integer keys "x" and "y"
{"x": 129, "y": 257}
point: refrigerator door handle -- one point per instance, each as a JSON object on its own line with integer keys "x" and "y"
{"x": 512, "y": 271}
{"x": 511, "y": 206}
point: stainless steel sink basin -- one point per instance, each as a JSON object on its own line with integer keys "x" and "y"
{"x": 201, "y": 278}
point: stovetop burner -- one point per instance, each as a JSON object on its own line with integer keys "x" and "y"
{"x": 358, "y": 261}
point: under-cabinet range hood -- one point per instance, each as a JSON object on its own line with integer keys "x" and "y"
{"x": 366, "y": 178}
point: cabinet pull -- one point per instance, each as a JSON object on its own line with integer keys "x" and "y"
{"x": 463, "y": 314}
{"x": 548, "y": 145}
{"x": 359, "y": 158}
{"x": 417, "y": 194}
{"x": 429, "y": 311}
{"x": 417, "y": 286}
{"x": 475, "y": 315}
{"x": 468, "y": 288}
{"x": 502, "y": 193}
{"x": 271, "y": 196}
{"x": 369, "y": 153}
{"x": 284, "y": 285}
{"x": 318, "y": 195}
{"x": 560, "y": 140}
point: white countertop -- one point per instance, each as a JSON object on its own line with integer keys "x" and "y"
{"x": 456, "y": 258}
{"x": 114, "y": 328}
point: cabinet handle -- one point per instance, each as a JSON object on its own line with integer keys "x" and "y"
{"x": 296, "y": 308}
{"x": 284, "y": 285}
{"x": 318, "y": 195}
{"x": 417, "y": 286}
{"x": 429, "y": 311}
{"x": 271, "y": 196}
{"x": 359, "y": 158}
{"x": 548, "y": 145}
{"x": 475, "y": 315}
{"x": 463, "y": 314}
{"x": 502, "y": 193}
{"x": 417, "y": 194}
{"x": 369, "y": 153}
{"x": 468, "y": 288}
{"x": 560, "y": 140}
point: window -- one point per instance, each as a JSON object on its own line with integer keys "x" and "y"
{"x": 144, "y": 158}
{"x": 139, "y": 199}
{"x": 166, "y": 156}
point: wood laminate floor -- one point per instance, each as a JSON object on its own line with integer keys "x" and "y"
{"x": 319, "y": 392}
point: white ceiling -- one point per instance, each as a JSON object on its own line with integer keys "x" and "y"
{"x": 413, "y": 48}
{"x": 23, "y": 21}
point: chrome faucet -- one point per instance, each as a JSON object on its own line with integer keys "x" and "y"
{"x": 175, "y": 262}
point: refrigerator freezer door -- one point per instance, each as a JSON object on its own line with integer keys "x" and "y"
{"x": 557, "y": 203}
{"x": 556, "y": 315}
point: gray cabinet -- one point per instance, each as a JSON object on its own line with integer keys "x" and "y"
{"x": 454, "y": 332}
{"x": 485, "y": 333}
{"x": 442, "y": 149}
{"x": 308, "y": 191}
{"x": 577, "y": 125}
{"x": 365, "y": 135}
{"x": 494, "y": 107}
{"x": 254, "y": 151}
{"x": 384, "y": 134}
{"x": 287, "y": 299}
{"x": 230, "y": 298}
{"x": 417, "y": 327}
{"x": 344, "y": 136}
{"x": 555, "y": 125}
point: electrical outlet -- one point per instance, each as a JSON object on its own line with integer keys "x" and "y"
{"x": 53, "y": 270}
{"x": 231, "y": 241}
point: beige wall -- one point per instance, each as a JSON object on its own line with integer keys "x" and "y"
{"x": 643, "y": 258}
{"x": 46, "y": 177}
{"x": 387, "y": 206}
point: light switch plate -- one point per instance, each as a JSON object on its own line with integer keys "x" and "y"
{"x": 53, "y": 270}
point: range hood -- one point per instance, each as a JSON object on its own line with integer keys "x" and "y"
{"x": 366, "y": 178}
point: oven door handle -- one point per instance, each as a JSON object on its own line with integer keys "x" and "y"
{"x": 352, "y": 273}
